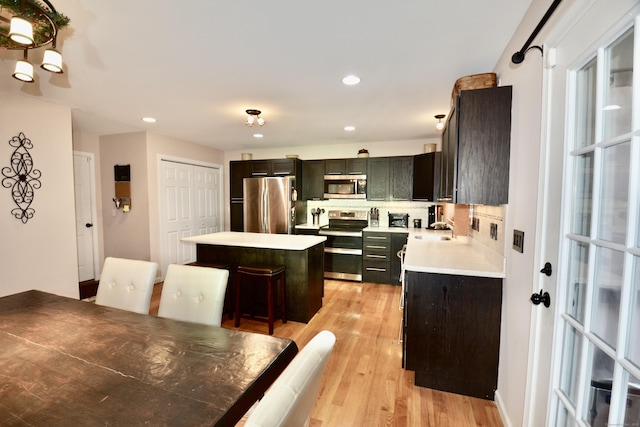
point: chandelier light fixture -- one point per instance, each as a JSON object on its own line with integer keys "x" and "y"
{"x": 253, "y": 117}
{"x": 30, "y": 24}
{"x": 439, "y": 125}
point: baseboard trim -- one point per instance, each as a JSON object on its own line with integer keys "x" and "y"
{"x": 506, "y": 422}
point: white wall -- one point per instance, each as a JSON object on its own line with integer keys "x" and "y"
{"x": 522, "y": 211}
{"x": 126, "y": 234}
{"x": 40, "y": 254}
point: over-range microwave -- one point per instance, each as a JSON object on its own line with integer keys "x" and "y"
{"x": 345, "y": 186}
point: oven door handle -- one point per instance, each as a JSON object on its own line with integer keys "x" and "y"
{"x": 340, "y": 233}
{"x": 343, "y": 251}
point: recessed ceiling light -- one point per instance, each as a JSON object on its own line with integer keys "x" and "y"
{"x": 149, "y": 119}
{"x": 258, "y": 135}
{"x": 349, "y": 128}
{"x": 612, "y": 107}
{"x": 351, "y": 80}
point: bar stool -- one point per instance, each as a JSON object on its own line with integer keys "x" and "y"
{"x": 260, "y": 273}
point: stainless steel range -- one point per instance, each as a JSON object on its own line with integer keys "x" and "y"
{"x": 343, "y": 248}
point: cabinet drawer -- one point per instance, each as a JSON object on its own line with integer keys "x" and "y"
{"x": 377, "y": 256}
{"x": 375, "y": 271}
{"x": 377, "y": 238}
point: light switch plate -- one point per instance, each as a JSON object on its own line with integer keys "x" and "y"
{"x": 518, "y": 241}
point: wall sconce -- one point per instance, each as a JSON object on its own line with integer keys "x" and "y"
{"x": 254, "y": 117}
{"x": 439, "y": 125}
{"x": 122, "y": 177}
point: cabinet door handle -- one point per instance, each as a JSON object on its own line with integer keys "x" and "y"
{"x": 382, "y": 270}
{"x": 259, "y": 174}
{"x": 376, "y": 238}
{"x": 376, "y": 247}
{"x": 376, "y": 256}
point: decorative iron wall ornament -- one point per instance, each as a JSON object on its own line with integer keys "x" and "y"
{"x": 21, "y": 177}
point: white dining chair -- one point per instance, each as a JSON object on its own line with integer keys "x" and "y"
{"x": 194, "y": 294}
{"x": 126, "y": 284}
{"x": 290, "y": 399}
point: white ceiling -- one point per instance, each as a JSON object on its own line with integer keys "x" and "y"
{"x": 197, "y": 65}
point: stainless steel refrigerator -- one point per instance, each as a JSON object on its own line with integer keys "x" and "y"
{"x": 271, "y": 205}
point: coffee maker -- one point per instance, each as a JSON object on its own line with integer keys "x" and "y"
{"x": 431, "y": 215}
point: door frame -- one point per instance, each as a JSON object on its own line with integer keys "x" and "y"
{"x": 97, "y": 224}
{"x": 533, "y": 405}
{"x": 160, "y": 193}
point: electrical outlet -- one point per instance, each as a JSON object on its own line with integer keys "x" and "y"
{"x": 493, "y": 230}
{"x": 518, "y": 240}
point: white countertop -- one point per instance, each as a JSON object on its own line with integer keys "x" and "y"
{"x": 311, "y": 226}
{"x": 290, "y": 242}
{"x": 385, "y": 229}
{"x": 460, "y": 256}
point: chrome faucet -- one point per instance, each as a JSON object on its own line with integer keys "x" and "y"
{"x": 441, "y": 225}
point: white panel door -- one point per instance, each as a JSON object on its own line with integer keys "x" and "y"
{"x": 82, "y": 168}
{"x": 178, "y": 212}
{"x": 207, "y": 200}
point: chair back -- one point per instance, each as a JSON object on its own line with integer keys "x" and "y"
{"x": 289, "y": 401}
{"x": 126, "y": 284}
{"x": 194, "y": 294}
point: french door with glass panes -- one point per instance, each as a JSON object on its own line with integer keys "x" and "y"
{"x": 596, "y": 379}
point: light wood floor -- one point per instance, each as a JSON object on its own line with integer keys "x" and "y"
{"x": 364, "y": 384}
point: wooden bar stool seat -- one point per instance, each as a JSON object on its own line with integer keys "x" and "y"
{"x": 267, "y": 275}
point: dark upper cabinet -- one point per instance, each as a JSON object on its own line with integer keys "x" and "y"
{"x": 275, "y": 167}
{"x": 390, "y": 178}
{"x": 355, "y": 166}
{"x": 476, "y": 148}
{"x": 426, "y": 176}
{"x": 313, "y": 179}
{"x": 401, "y": 178}
{"x": 378, "y": 179}
{"x": 238, "y": 170}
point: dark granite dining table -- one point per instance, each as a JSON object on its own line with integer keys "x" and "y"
{"x": 74, "y": 363}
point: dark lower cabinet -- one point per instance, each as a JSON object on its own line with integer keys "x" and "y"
{"x": 452, "y": 332}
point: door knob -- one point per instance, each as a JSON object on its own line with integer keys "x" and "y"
{"x": 88, "y": 225}
{"x": 547, "y": 269}
{"x": 540, "y": 297}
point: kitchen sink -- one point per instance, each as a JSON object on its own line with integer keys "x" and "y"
{"x": 431, "y": 237}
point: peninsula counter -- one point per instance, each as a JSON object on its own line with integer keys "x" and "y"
{"x": 302, "y": 255}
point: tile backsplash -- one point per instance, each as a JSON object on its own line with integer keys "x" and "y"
{"x": 487, "y": 226}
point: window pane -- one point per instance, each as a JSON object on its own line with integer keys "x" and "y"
{"x": 585, "y": 106}
{"x": 608, "y": 283}
{"x": 614, "y": 193}
{"x": 582, "y": 194}
{"x": 569, "y": 374}
{"x": 632, "y": 408}
{"x": 600, "y": 392}
{"x": 617, "y": 96}
{"x": 634, "y": 330}
{"x": 577, "y": 284}
{"x": 563, "y": 419}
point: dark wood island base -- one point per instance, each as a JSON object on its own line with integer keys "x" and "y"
{"x": 304, "y": 272}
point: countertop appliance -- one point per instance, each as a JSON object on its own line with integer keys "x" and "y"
{"x": 398, "y": 220}
{"x": 343, "y": 247}
{"x": 271, "y": 205}
{"x": 345, "y": 186}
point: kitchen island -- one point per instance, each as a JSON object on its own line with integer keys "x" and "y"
{"x": 302, "y": 255}
{"x": 453, "y": 304}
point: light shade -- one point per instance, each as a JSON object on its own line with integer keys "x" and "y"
{"x": 21, "y": 31}
{"x": 24, "y": 71}
{"x": 52, "y": 61}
